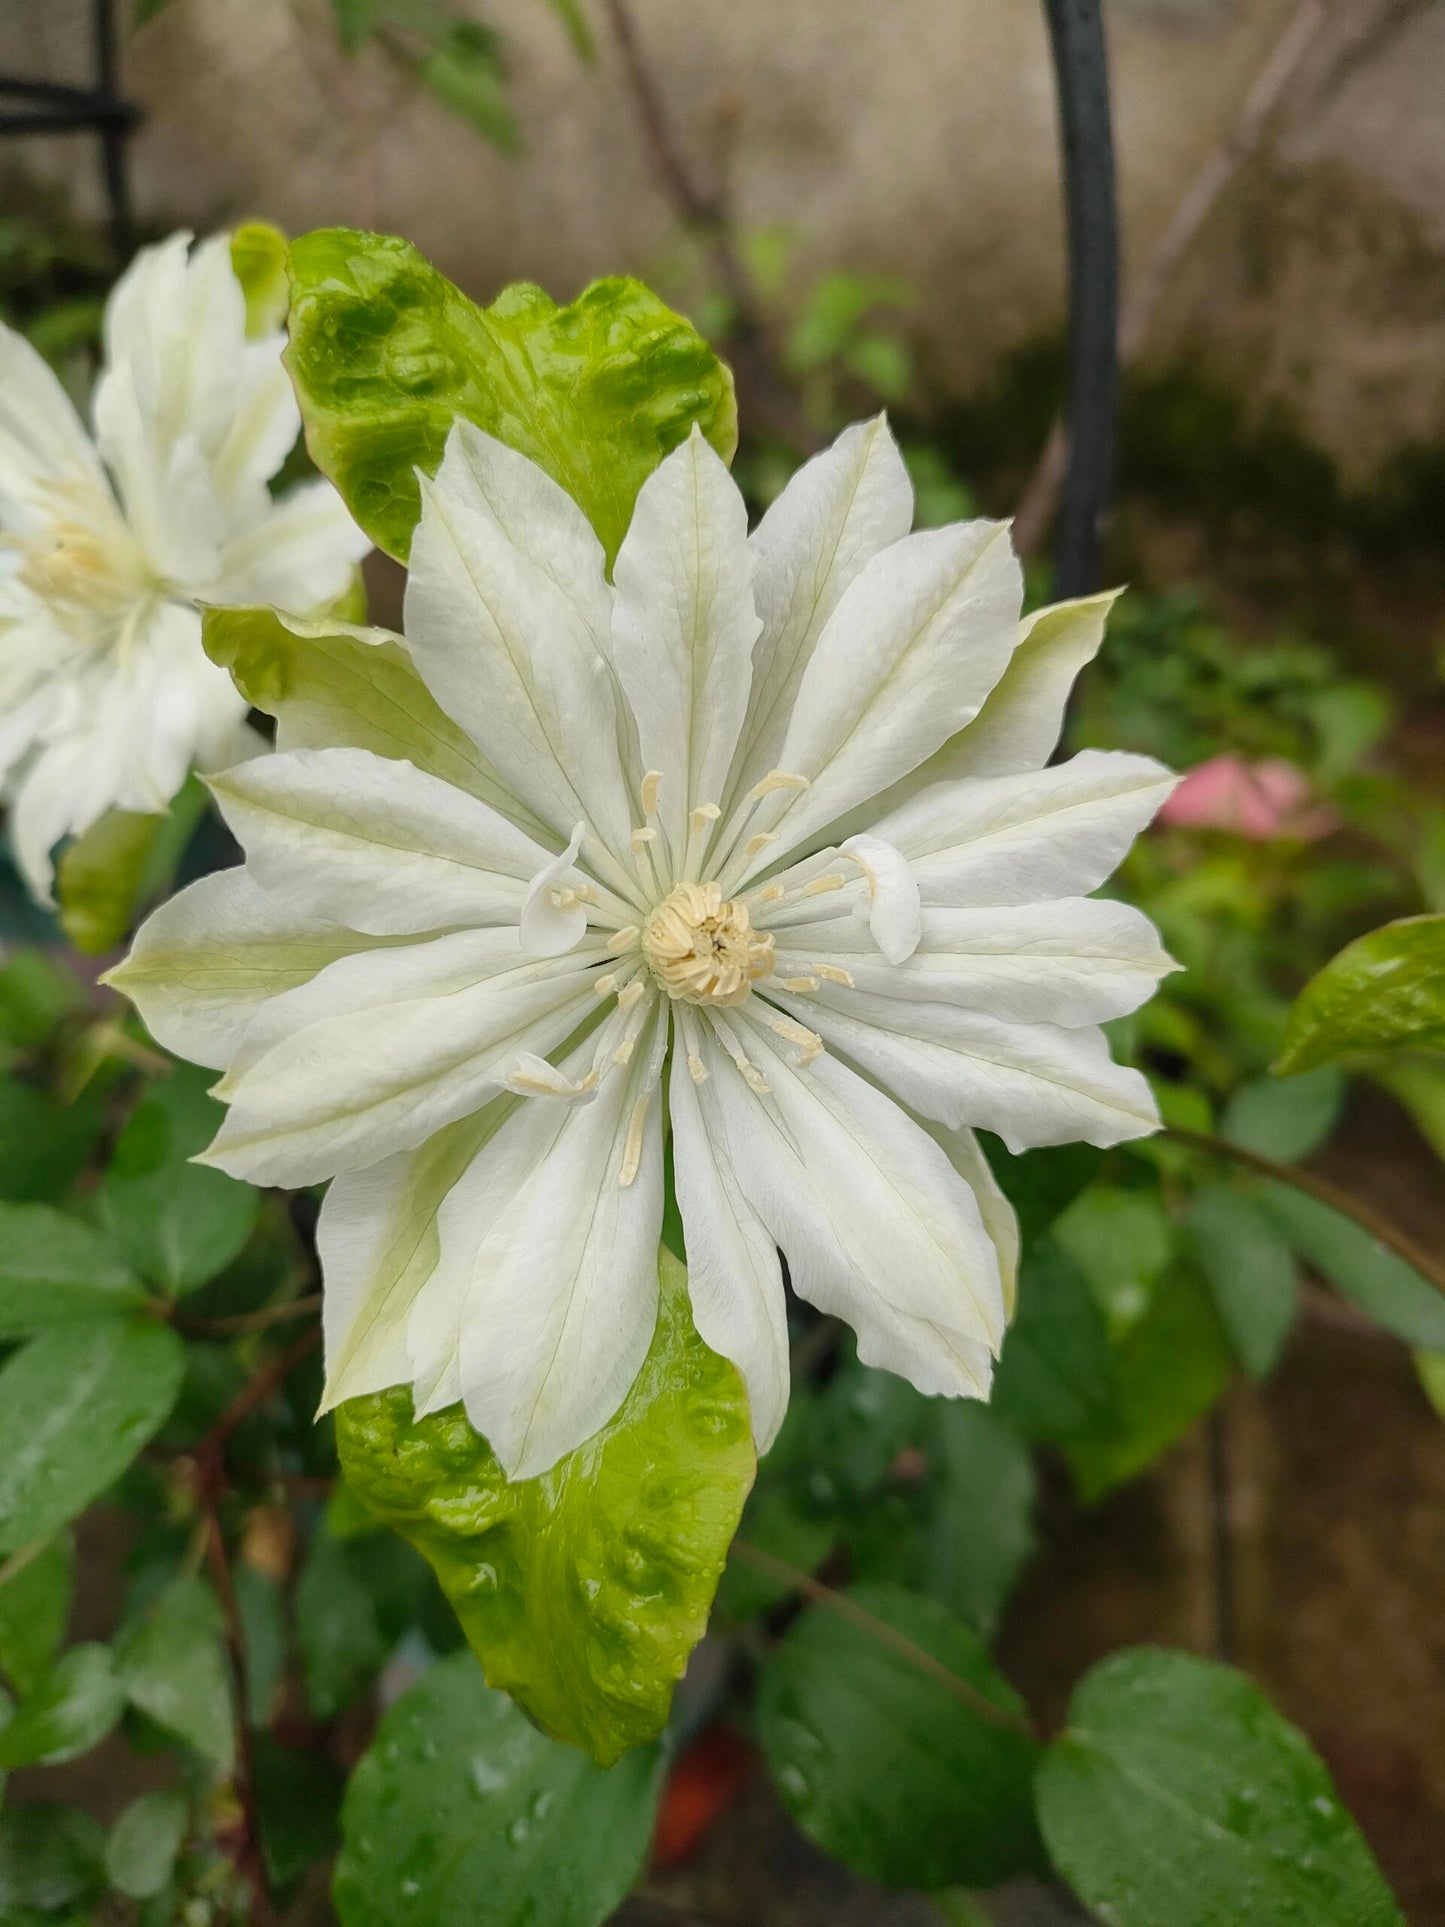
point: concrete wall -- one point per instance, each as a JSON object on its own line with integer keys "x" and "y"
{"x": 912, "y": 136}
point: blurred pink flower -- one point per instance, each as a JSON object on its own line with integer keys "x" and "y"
{"x": 1260, "y": 801}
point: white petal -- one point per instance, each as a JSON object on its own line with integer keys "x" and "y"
{"x": 895, "y": 913}
{"x": 1022, "y": 839}
{"x": 546, "y": 1290}
{"x": 376, "y": 844}
{"x": 508, "y": 656}
{"x": 204, "y": 963}
{"x": 1000, "y": 1220}
{"x": 835, "y": 514}
{"x": 1077, "y": 960}
{"x": 906, "y": 659}
{"x": 684, "y": 625}
{"x": 42, "y": 439}
{"x": 549, "y": 929}
{"x": 298, "y": 555}
{"x": 875, "y": 1223}
{"x": 378, "y": 1243}
{"x": 734, "y": 1277}
{"x": 1031, "y": 1083}
{"x": 382, "y": 1049}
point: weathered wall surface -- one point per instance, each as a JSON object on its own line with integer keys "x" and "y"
{"x": 912, "y": 136}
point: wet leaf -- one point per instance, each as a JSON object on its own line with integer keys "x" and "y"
{"x": 1383, "y": 992}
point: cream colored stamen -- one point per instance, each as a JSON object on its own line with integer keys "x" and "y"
{"x": 832, "y": 974}
{"x": 703, "y": 950}
{"x": 776, "y": 779}
{"x": 821, "y": 886}
{"x": 697, "y": 1068}
{"x": 808, "y": 1042}
{"x": 633, "y": 995}
{"x": 624, "y": 938}
{"x": 651, "y": 783}
{"x": 632, "y": 1150}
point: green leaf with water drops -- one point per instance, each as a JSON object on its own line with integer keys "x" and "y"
{"x": 1384, "y": 992}
{"x": 463, "y": 1812}
{"x": 881, "y": 1751}
{"x": 76, "y": 1405}
{"x": 385, "y": 354}
{"x": 583, "y": 1590}
{"x": 1178, "y": 1797}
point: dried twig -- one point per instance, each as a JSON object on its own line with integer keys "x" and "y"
{"x": 1040, "y": 497}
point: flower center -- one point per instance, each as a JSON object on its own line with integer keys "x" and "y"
{"x": 704, "y": 950}
{"x": 87, "y": 566}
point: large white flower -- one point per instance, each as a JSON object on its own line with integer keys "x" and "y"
{"x": 480, "y": 1010}
{"x": 106, "y": 697}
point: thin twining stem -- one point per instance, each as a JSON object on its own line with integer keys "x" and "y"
{"x": 1345, "y": 1202}
{"x": 878, "y": 1629}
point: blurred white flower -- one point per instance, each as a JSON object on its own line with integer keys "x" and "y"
{"x": 106, "y": 698}
{"x": 725, "y": 843}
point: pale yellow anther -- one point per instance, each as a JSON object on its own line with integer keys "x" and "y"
{"x": 801, "y": 986}
{"x": 704, "y": 814}
{"x": 832, "y": 974}
{"x": 632, "y": 1150}
{"x": 623, "y": 939}
{"x": 585, "y": 893}
{"x": 563, "y": 899}
{"x": 605, "y": 986}
{"x": 808, "y": 1042}
{"x": 754, "y": 1079}
{"x": 697, "y": 1068}
{"x": 622, "y": 1056}
{"x": 703, "y": 950}
{"x": 776, "y": 779}
{"x": 641, "y": 839}
{"x": 772, "y": 893}
{"x": 651, "y": 783}
{"x": 758, "y": 843}
{"x": 820, "y": 886}
{"x": 632, "y": 996}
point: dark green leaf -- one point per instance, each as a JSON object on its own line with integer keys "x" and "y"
{"x": 344, "y": 1638}
{"x": 880, "y": 1763}
{"x": 1251, "y": 1271}
{"x": 465, "y": 72}
{"x": 1383, "y": 992}
{"x": 583, "y": 1590}
{"x": 49, "y": 1860}
{"x": 36, "y": 993}
{"x": 53, "y": 1269}
{"x": 76, "y": 1405}
{"x": 144, "y": 1843}
{"x": 1285, "y": 1119}
{"x": 1123, "y": 1240}
{"x": 386, "y": 353}
{"x": 263, "y": 1626}
{"x": 178, "y": 1223}
{"x": 1056, "y": 1375}
{"x": 355, "y": 22}
{"x": 70, "y": 1709}
{"x": 779, "y": 1521}
{"x": 44, "y": 1144}
{"x": 1178, "y": 1797}
{"x": 34, "y": 1613}
{"x": 298, "y": 1799}
{"x": 1041, "y": 1184}
{"x": 173, "y": 1668}
{"x": 463, "y": 1812}
{"x": 1383, "y": 1286}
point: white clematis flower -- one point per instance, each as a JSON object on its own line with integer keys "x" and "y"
{"x": 106, "y": 697}
{"x": 676, "y": 903}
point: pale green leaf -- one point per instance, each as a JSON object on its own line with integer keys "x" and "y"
{"x": 1251, "y": 1271}
{"x": 463, "y": 1812}
{"x": 258, "y": 260}
{"x": 172, "y": 1666}
{"x": 585, "y": 1589}
{"x": 1383, "y": 992}
{"x": 144, "y": 1843}
{"x": 1178, "y": 1797}
{"x": 1285, "y": 1119}
{"x": 880, "y": 1763}
{"x": 386, "y": 353}
{"x": 105, "y": 876}
{"x": 70, "y": 1709}
{"x": 1361, "y": 1269}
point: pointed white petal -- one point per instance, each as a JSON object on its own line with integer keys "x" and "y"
{"x": 835, "y": 514}
{"x": 203, "y": 964}
{"x": 895, "y": 913}
{"x": 1022, "y": 839}
{"x": 298, "y": 554}
{"x": 544, "y": 1301}
{"x": 906, "y": 659}
{"x": 734, "y": 1277}
{"x": 1077, "y": 960}
{"x": 42, "y": 440}
{"x": 1031, "y": 1083}
{"x": 549, "y": 929}
{"x": 382, "y": 1049}
{"x": 378, "y": 845}
{"x": 1000, "y": 1220}
{"x": 684, "y": 625}
{"x": 508, "y": 655}
{"x": 874, "y": 1221}
{"x": 378, "y": 1243}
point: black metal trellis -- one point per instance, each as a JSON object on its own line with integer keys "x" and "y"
{"x": 50, "y": 107}
{"x": 1076, "y": 29}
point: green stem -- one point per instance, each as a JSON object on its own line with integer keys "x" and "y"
{"x": 907, "y": 1649}
{"x": 1345, "y": 1202}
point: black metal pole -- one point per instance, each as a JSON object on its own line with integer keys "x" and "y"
{"x": 1081, "y": 70}
{"x": 114, "y": 132}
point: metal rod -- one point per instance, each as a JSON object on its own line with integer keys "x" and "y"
{"x": 113, "y": 133}
{"x": 1081, "y": 71}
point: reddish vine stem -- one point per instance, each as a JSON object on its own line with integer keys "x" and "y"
{"x": 249, "y": 1321}
{"x": 878, "y": 1629}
